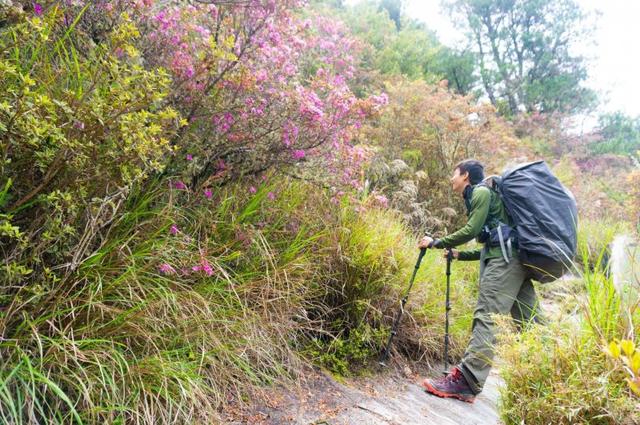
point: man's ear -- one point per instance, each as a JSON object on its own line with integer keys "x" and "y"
{"x": 466, "y": 176}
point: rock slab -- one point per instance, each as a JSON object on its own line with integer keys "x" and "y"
{"x": 391, "y": 399}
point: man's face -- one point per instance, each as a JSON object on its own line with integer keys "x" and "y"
{"x": 459, "y": 182}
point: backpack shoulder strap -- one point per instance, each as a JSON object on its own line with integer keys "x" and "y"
{"x": 468, "y": 194}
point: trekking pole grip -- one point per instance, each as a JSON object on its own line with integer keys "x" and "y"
{"x": 423, "y": 251}
{"x": 449, "y": 260}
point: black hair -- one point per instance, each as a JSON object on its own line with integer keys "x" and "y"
{"x": 474, "y": 168}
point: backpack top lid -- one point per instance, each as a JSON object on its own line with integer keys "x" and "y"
{"x": 544, "y": 212}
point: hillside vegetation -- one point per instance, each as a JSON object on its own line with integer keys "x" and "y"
{"x": 200, "y": 199}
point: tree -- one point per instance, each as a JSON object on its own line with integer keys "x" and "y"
{"x": 413, "y": 51}
{"x": 394, "y": 9}
{"x": 458, "y": 68}
{"x": 525, "y": 56}
{"x": 619, "y": 134}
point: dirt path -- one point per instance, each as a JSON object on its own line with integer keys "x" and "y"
{"x": 387, "y": 399}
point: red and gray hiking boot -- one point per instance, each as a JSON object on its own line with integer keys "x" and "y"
{"x": 454, "y": 385}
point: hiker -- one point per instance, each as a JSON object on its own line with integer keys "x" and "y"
{"x": 505, "y": 285}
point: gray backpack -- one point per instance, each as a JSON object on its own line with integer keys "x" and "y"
{"x": 544, "y": 216}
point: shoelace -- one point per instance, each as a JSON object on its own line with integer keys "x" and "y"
{"x": 452, "y": 377}
{"x": 455, "y": 375}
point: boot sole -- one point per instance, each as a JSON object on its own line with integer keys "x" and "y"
{"x": 462, "y": 397}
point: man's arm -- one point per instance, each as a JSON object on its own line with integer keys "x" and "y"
{"x": 471, "y": 255}
{"x": 480, "y": 201}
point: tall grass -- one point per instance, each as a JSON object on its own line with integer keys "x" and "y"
{"x": 560, "y": 374}
{"x": 594, "y": 238}
{"x": 119, "y": 341}
{"x": 188, "y": 303}
{"x": 369, "y": 276}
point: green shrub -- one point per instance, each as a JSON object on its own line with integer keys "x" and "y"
{"x": 560, "y": 374}
{"x": 345, "y": 354}
{"x": 79, "y": 123}
{"x": 413, "y": 157}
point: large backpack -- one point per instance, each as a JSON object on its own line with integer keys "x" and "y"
{"x": 545, "y": 218}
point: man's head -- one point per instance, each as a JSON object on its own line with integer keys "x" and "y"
{"x": 467, "y": 172}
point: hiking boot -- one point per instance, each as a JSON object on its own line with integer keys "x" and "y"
{"x": 454, "y": 385}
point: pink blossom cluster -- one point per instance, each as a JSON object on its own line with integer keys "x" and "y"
{"x": 261, "y": 79}
{"x": 381, "y": 200}
{"x": 203, "y": 267}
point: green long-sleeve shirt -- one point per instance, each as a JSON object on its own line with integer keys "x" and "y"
{"x": 486, "y": 209}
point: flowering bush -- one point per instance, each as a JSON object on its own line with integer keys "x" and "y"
{"x": 93, "y": 102}
{"x": 432, "y": 129}
{"x": 259, "y": 87}
{"x": 79, "y": 123}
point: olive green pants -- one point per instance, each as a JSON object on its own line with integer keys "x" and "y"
{"x": 504, "y": 288}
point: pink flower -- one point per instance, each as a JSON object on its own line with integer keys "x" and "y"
{"x": 382, "y": 200}
{"x": 37, "y": 9}
{"x": 208, "y": 193}
{"x": 189, "y": 157}
{"x": 204, "y": 266}
{"x": 174, "y": 229}
{"x": 271, "y": 196}
{"x": 166, "y": 269}
{"x": 298, "y": 154}
{"x": 252, "y": 189}
{"x": 289, "y": 133}
{"x": 179, "y": 185}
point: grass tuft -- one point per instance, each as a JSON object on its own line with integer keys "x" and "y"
{"x": 560, "y": 373}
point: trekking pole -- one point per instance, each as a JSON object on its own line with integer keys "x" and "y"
{"x": 447, "y": 307}
{"x": 396, "y": 322}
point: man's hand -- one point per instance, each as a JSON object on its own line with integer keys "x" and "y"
{"x": 455, "y": 253}
{"x": 425, "y": 242}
